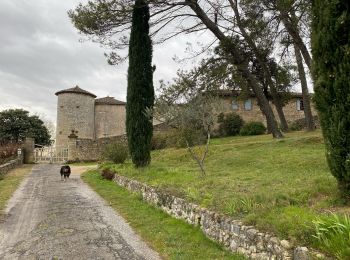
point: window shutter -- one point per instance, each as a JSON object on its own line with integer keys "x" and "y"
{"x": 248, "y": 104}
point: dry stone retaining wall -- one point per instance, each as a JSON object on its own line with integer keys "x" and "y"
{"x": 6, "y": 167}
{"x": 229, "y": 232}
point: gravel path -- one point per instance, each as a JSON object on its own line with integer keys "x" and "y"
{"x": 51, "y": 219}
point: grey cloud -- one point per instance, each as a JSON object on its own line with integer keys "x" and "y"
{"x": 40, "y": 53}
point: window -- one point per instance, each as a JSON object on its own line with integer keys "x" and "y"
{"x": 61, "y": 106}
{"x": 78, "y": 106}
{"x": 300, "y": 104}
{"x": 248, "y": 104}
{"x": 234, "y": 104}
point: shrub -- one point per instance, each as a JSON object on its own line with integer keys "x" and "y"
{"x": 229, "y": 124}
{"x": 191, "y": 136}
{"x": 108, "y": 174}
{"x": 331, "y": 66}
{"x": 168, "y": 139}
{"x": 8, "y": 151}
{"x": 162, "y": 140}
{"x": 253, "y": 128}
{"x": 177, "y": 138}
{"x": 221, "y": 117}
{"x": 333, "y": 234}
{"x": 115, "y": 152}
{"x": 296, "y": 126}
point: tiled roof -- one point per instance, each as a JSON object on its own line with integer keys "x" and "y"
{"x": 108, "y": 101}
{"x": 76, "y": 89}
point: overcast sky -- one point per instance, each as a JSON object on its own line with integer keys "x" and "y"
{"x": 40, "y": 53}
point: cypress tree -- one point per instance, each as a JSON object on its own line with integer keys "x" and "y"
{"x": 140, "y": 92}
{"x": 331, "y": 71}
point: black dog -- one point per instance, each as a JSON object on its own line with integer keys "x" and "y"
{"x": 65, "y": 172}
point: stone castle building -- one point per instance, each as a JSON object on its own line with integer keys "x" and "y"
{"x": 249, "y": 109}
{"x": 81, "y": 114}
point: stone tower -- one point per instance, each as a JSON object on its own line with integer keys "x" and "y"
{"x": 109, "y": 117}
{"x": 75, "y": 114}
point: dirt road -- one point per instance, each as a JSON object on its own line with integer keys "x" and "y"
{"x": 50, "y": 219}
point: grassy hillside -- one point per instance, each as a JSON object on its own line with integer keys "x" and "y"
{"x": 278, "y": 185}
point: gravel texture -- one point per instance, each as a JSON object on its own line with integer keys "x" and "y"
{"x": 52, "y": 219}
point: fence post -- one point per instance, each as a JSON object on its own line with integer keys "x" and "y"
{"x": 20, "y": 155}
{"x": 28, "y": 149}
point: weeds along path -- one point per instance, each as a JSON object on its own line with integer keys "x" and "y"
{"x": 51, "y": 219}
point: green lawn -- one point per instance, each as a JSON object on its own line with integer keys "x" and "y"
{"x": 10, "y": 183}
{"x": 278, "y": 185}
{"x": 172, "y": 238}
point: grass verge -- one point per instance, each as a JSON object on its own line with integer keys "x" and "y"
{"x": 10, "y": 183}
{"x": 172, "y": 238}
{"x": 280, "y": 186}
{"x": 92, "y": 163}
{"x": 333, "y": 234}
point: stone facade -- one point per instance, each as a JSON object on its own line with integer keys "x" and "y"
{"x": 110, "y": 120}
{"x": 291, "y": 110}
{"x": 230, "y": 233}
{"x": 90, "y": 150}
{"x": 80, "y": 114}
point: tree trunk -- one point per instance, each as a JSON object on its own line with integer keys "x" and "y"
{"x": 263, "y": 102}
{"x": 261, "y": 60}
{"x": 200, "y": 161}
{"x": 276, "y": 99}
{"x": 310, "y": 125}
{"x": 294, "y": 33}
{"x": 279, "y": 108}
{"x": 268, "y": 127}
{"x": 238, "y": 60}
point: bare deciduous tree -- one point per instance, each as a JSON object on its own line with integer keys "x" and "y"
{"x": 108, "y": 21}
{"x": 195, "y": 121}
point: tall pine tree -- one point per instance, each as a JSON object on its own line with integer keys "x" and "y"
{"x": 140, "y": 92}
{"x": 331, "y": 69}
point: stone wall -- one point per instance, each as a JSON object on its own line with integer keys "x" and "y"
{"x": 6, "y": 167}
{"x": 229, "y": 232}
{"x": 80, "y": 149}
{"x": 291, "y": 113}
{"x": 84, "y": 149}
{"x": 290, "y": 110}
{"x": 109, "y": 120}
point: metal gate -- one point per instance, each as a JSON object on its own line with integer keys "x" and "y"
{"x": 51, "y": 154}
